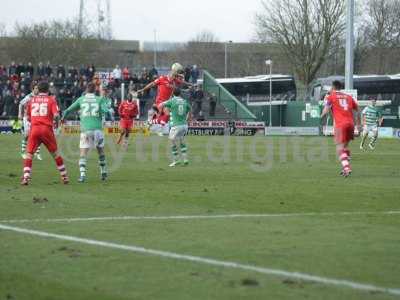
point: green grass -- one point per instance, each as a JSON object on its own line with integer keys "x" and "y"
{"x": 226, "y": 176}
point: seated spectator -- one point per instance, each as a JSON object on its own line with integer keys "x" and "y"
{"x": 126, "y": 74}
{"x": 153, "y": 73}
{"x": 187, "y": 73}
{"x": 212, "y": 100}
{"x": 59, "y": 82}
{"x": 12, "y": 69}
{"x": 29, "y": 70}
{"x": 91, "y": 70}
{"x": 69, "y": 81}
{"x": 198, "y": 96}
{"x": 8, "y": 102}
{"x": 201, "y": 117}
{"x": 117, "y": 75}
{"x": 194, "y": 74}
{"x": 82, "y": 71}
{"x": 20, "y": 69}
{"x": 49, "y": 69}
{"x": 3, "y": 72}
{"x": 60, "y": 70}
{"x": 41, "y": 70}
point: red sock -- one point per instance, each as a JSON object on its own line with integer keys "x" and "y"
{"x": 60, "y": 166}
{"x": 27, "y": 167}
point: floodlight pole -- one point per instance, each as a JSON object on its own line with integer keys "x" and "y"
{"x": 155, "y": 49}
{"x": 269, "y": 63}
{"x": 226, "y": 58}
{"x": 349, "y": 45}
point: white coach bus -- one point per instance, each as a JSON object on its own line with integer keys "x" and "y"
{"x": 384, "y": 88}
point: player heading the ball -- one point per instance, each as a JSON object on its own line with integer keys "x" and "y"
{"x": 165, "y": 87}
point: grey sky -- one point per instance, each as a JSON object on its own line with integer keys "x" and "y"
{"x": 174, "y": 20}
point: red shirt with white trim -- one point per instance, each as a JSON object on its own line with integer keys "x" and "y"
{"x": 342, "y": 106}
{"x": 128, "y": 110}
{"x": 42, "y": 109}
{"x": 165, "y": 87}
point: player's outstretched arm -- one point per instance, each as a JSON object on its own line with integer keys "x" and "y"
{"x": 73, "y": 107}
{"x": 147, "y": 87}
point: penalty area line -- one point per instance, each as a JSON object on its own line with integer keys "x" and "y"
{"x": 193, "y": 217}
{"x": 209, "y": 261}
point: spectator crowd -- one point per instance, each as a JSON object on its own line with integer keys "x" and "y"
{"x": 69, "y": 83}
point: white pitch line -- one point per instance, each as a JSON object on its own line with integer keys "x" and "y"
{"x": 191, "y": 217}
{"x": 210, "y": 261}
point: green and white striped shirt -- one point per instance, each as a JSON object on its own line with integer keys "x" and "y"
{"x": 372, "y": 115}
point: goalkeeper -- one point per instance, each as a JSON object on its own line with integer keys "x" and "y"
{"x": 371, "y": 121}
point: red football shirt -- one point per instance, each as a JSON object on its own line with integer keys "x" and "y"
{"x": 127, "y": 111}
{"x": 165, "y": 88}
{"x": 342, "y": 106}
{"x": 163, "y": 119}
{"x": 42, "y": 109}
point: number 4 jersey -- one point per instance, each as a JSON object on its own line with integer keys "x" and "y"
{"x": 41, "y": 110}
{"x": 91, "y": 111}
{"x": 342, "y": 106}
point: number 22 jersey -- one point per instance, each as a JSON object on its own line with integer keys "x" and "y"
{"x": 342, "y": 106}
{"x": 91, "y": 111}
{"x": 41, "y": 110}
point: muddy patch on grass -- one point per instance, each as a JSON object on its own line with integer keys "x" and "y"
{"x": 37, "y": 200}
{"x": 70, "y": 252}
{"x": 249, "y": 282}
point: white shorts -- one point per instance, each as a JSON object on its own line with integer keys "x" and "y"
{"x": 92, "y": 139}
{"x": 158, "y": 128}
{"x": 27, "y": 126}
{"x": 370, "y": 129}
{"x": 178, "y": 132}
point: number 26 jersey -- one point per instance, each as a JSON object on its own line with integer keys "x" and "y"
{"x": 41, "y": 110}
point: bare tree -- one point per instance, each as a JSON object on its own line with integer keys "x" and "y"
{"x": 304, "y": 29}
{"x": 381, "y": 30}
{"x": 206, "y": 51}
{"x": 56, "y": 41}
{"x": 3, "y": 30}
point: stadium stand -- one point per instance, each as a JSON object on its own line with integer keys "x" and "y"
{"x": 68, "y": 83}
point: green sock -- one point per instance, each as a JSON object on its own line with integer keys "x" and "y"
{"x": 174, "y": 150}
{"x": 184, "y": 151}
{"x": 363, "y": 140}
{"x": 373, "y": 141}
{"x": 82, "y": 166}
{"x": 102, "y": 164}
{"x": 23, "y": 145}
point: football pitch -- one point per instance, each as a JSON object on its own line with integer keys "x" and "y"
{"x": 249, "y": 218}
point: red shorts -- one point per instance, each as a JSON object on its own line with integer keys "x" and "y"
{"x": 125, "y": 124}
{"x": 159, "y": 102}
{"x": 41, "y": 135}
{"x": 344, "y": 134}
